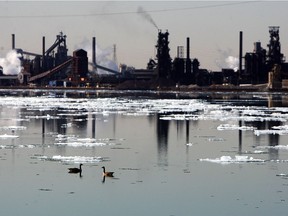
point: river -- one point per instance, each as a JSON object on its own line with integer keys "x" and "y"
{"x": 171, "y": 153}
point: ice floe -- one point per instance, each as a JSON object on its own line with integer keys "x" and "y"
{"x": 70, "y": 159}
{"x": 75, "y": 141}
{"x": 169, "y": 109}
{"x": 273, "y": 132}
{"x": 234, "y": 127}
{"x": 13, "y": 128}
{"x": 8, "y": 136}
{"x": 229, "y": 159}
{"x": 280, "y": 147}
{"x": 30, "y": 146}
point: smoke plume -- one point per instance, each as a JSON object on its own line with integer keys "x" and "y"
{"x": 144, "y": 14}
{"x": 11, "y": 64}
{"x": 226, "y": 60}
{"x": 232, "y": 62}
{"x": 103, "y": 56}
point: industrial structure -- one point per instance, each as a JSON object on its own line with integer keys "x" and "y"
{"x": 54, "y": 67}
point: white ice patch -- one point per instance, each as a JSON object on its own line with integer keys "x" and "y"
{"x": 17, "y": 146}
{"x": 273, "y": 132}
{"x": 215, "y": 139}
{"x": 7, "y": 136}
{"x": 74, "y": 141}
{"x": 13, "y": 128}
{"x": 169, "y": 109}
{"x": 234, "y": 127}
{"x": 71, "y": 159}
{"x": 280, "y": 147}
{"x": 229, "y": 159}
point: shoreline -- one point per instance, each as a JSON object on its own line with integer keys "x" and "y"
{"x": 191, "y": 89}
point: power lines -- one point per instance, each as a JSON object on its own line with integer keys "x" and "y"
{"x": 226, "y": 4}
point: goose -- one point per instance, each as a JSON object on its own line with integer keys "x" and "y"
{"x": 108, "y": 174}
{"x": 76, "y": 170}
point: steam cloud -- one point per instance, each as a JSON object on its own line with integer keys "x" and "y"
{"x": 232, "y": 62}
{"x": 103, "y": 56}
{"x": 11, "y": 64}
{"x": 227, "y": 60}
{"x": 146, "y": 16}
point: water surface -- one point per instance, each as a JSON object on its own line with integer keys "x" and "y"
{"x": 172, "y": 153}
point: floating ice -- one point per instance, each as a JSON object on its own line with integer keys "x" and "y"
{"x": 13, "y": 128}
{"x": 7, "y": 136}
{"x": 169, "y": 109}
{"x": 70, "y": 159}
{"x": 74, "y": 141}
{"x": 214, "y": 139}
{"x": 233, "y": 127}
{"x": 282, "y": 175}
{"x": 17, "y": 146}
{"x": 27, "y": 146}
{"x": 281, "y": 147}
{"x": 273, "y": 132}
{"x": 229, "y": 159}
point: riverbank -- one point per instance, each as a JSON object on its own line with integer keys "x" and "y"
{"x": 189, "y": 88}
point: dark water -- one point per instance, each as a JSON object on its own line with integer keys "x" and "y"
{"x": 172, "y": 154}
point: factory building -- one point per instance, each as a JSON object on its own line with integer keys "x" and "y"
{"x": 54, "y": 67}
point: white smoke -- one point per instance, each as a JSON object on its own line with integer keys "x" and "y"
{"x": 226, "y": 60}
{"x": 104, "y": 57}
{"x": 232, "y": 62}
{"x": 11, "y": 64}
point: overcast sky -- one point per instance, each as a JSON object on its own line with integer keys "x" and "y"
{"x": 213, "y": 27}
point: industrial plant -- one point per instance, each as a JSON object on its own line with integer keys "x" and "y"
{"x": 55, "y": 68}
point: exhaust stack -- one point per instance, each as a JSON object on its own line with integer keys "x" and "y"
{"x": 240, "y": 51}
{"x": 94, "y": 51}
{"x": 13, "y": 41}
{"x": 188, "y": 48}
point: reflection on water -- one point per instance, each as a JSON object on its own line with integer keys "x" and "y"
{"x": 162, "y": 141}
{"x": 187, "y": 150}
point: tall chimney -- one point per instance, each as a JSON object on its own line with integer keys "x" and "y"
{"x": 188, "y": 48}
{"x": 43, "y": 54}
{"x": 94, "y": 51}
{"x": 13, "y": 41}
{"x": 240, "y": 51}
{"x": 240, "y": 56}
{"x": 43, "y": 46}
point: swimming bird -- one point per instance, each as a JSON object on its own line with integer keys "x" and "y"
{"x": 108, "y": 174}
{"x": 76, "y": 170}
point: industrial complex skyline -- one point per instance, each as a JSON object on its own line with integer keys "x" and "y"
{"x": 213, "y": 27}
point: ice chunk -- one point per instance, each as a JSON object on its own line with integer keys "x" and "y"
{"x": 7, "y": 136}
{"x": 234, "y": 127}
{"x": 71, "y": 159}
{"x": 282, "y": 147}
{"x": 229, "y": 159}
{"x": 13, "y": 128}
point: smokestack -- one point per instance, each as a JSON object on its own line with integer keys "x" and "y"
{"x": 43, "y": 53}
{"x": 13, "y": 41}
{"x": 94, "y": 51}
{"x": 240, "y": 56}
{"x": 240, "y": 51}
{"x": 188, "y": 48}
{"x": 43, "y": 46}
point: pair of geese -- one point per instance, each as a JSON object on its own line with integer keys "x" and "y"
{"x": 79, "y": 170}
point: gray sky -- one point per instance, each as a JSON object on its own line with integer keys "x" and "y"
{"x": 213, "y": 27}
